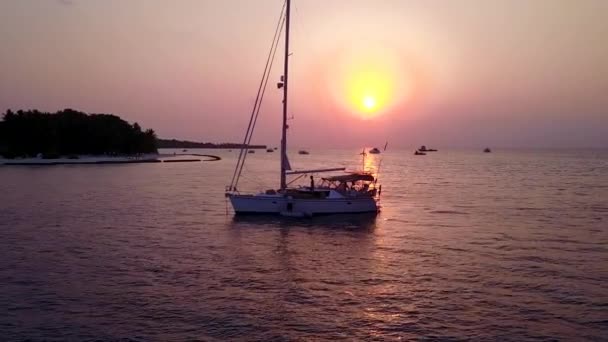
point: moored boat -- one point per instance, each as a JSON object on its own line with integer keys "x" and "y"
{"x": 423, "y": 148}
{"x": 354, "y": 192}
{"x": 348, "y": 193}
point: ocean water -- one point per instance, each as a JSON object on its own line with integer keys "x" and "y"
{"x": 511, "y": 245}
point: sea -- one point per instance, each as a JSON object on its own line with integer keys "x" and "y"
{"x": 510, "y": 246}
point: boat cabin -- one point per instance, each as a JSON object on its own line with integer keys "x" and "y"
{"x": 352, "y": 184}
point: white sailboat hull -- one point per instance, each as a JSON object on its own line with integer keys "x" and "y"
{"x": 287, "y": 206}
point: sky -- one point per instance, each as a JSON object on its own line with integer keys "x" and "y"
{"x": 466, "y": 73}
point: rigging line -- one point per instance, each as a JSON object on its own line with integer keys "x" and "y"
{"x": 259, "y": 99}
{"x": 378, "y": 171}
{"x": 307, "y": 40}
{"x": 264, "y": 89}
{"x": 295, "y": 179}
{"x": 254, "y": 179}
{"x": 244, "y": 148}
{"x": 380, "y": 164}
{"x": 264, "y": 75}
{"x": 297, "y": 26}
{"x": 257, "y": 113}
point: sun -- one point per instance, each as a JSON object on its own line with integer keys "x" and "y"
{"x": 369, "y": 102}
{"x": 369, "y": 83}
{"x": 368, "y": 90}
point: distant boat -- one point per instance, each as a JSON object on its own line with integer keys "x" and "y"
{"x": 251, "y": 151}
{"x": 303, "y": 152}
{"x": 418, "y": 153}
{"x": 184, "y": 150}
{"x": 487, "y": 150}
{"x": 424, "y": 149}
{"x": 269, "y": 150}
{"x": 374, "y": 150}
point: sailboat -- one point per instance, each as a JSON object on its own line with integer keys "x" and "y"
{"x": 353, "y": 192}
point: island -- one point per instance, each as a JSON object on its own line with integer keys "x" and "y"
{"x": 173, "y": 143}
{"x": 32, "y": 137}
{"x": 32, "y": 133}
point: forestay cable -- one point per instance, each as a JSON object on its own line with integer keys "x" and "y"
{"x": 260, "y": 94}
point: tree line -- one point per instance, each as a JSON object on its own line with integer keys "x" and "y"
{"x": 69, "y": 132}
{"x": 173, "y": 143}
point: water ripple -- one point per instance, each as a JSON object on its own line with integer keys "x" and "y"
{"x": 510, "y": 247}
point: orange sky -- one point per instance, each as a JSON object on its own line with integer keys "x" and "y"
{"x": 445, "y": 73}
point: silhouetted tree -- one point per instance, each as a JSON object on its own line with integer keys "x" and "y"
{"x": 28, "y": 133}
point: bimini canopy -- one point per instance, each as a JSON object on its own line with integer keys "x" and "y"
{"x": 352, "y": 177}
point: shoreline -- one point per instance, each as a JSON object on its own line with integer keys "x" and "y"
{"x": 105, "y": 160}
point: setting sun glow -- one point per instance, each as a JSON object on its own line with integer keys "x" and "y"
{"x": 369, "y": 102}
{"x": 369, "y": 84}
{"x": 369, "y": 91}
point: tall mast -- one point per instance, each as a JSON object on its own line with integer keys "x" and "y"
{"x": 285, "y": 82}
